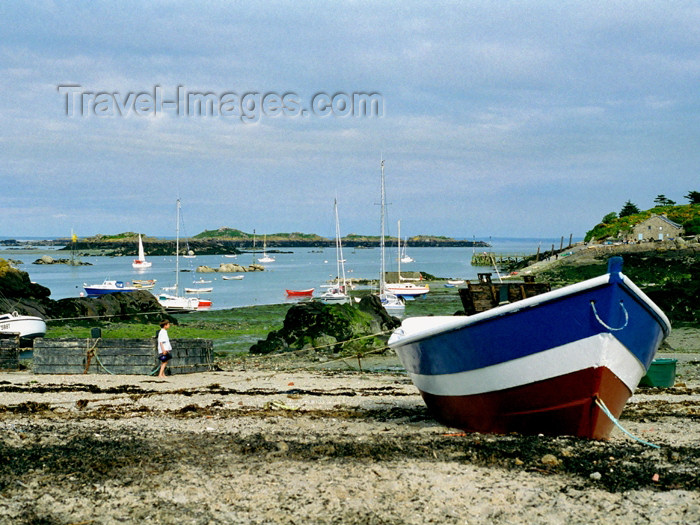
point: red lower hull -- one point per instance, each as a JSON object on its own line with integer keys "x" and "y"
{"x": 204, "y": 303}
{"x": 562, "y": 405}
{"x": 300, "y": 293}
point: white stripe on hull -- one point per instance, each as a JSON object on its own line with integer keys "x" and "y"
{"x": 601, "y": 350}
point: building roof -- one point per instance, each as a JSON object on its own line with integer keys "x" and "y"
{"x": 663, "y": 218}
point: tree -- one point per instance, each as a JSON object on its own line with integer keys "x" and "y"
{"x": 693, "y": 197}
{"x": 628, "y": 209}
{"x": 609, "y": 218}
{"x": 662, "y": 200}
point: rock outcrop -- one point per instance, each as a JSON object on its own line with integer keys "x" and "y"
{"x": 340, "y": 328}
{"x": 47, "y": 259}
{"x": 231, "y": 268}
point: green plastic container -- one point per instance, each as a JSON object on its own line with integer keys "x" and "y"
{"x": 661, "y": 373}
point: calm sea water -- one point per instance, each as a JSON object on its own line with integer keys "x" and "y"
{"x": 301, "y": 269}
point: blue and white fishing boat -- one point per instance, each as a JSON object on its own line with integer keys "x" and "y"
{"x": 549, "y": 364}
{"x": 107, "y": 287}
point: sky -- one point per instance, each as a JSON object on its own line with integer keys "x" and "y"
{"x": 494, "y": 118}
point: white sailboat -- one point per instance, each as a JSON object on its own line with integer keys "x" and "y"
{"x": 337, "y": 293}
{"x": 141, "y": 262}
{"x": 174, "y": 302}
{"x": 403, "y": 256}
{"x": 393, "y": 304}
{"x": 265, "y": 258}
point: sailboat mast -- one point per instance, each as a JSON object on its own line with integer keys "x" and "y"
{"x": 338, "y": 247}
{"x": 398, "y": 248}
{"x": 177, "y": 250}
{"x": 382, "y": 280}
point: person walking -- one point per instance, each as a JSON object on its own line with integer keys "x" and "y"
{"x": 164, "y": 348}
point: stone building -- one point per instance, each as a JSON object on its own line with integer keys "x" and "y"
{"x": 655, "y": 228}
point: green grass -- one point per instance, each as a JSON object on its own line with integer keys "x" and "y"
{"x": 235, "y": 330}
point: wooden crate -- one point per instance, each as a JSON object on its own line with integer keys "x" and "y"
{"x": 485, "y": 294}
{"x": 118, "y": 356}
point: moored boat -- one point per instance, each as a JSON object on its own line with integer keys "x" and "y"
{"x": 393, "y": 304}
{"x": 300, "y": 293}
{"x": 26, "y": 326}
{"x": 175, "y": 303}
{"x": 199, "y": 290}
{"x": 107, "y": 287}
{"x": 337, "y": 292}
{"x": 232, "y": 277}
{"x": 411, "y": 290}
{"x": 141, "y": 262}
{"x": 547, "y": 364}
{"x": 144, "y": 284}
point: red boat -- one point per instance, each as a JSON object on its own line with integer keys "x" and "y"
{"x": 300, "y": 293}
{"x": 204, "y": 303}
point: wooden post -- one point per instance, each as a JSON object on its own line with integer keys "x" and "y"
{"x": 571, "y": 236}
{"x": 561, "y": 243}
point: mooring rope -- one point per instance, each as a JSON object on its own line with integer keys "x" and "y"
{"x": 607, "y": 412}
{"x": 93, "y": 352}
{"x": 309, "y": 366}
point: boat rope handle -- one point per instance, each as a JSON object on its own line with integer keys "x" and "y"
{"x": 607, "y": 412}
{"x": 627, "y": 317}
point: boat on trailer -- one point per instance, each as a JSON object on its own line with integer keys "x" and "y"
{"x": 553, "y": 363}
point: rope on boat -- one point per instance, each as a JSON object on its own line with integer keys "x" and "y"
{"x": 607, "y": 412}
{"x": 627, "y": 317}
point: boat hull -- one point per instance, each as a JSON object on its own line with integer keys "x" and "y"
{"x": 108, "y": 287}
{"x": 175, "y": 304}
{"x": 402, "y": 290}
{"x": 536, "y": 366}
{"x": 28, "y": 327}
{"x": 300, "y": 293}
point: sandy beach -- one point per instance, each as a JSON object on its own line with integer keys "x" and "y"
{"x": 271, "y": 444}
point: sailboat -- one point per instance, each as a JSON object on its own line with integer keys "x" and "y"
{"x": 265, "y": 258}
{"x": 404, "y": 289}
{"x": 141, "y": 262}
{"x": 337, "y": 294}
{"x": 393, "y": 304}
{"x": 174, "y": 302}
{"x": 405, "y": 258}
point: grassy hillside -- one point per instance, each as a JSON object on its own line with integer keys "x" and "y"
{"x": 687, "y": 215}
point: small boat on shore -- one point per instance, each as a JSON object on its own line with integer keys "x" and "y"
{"x": 300, "y": 293}
{"x": 554, "y": 363}
{"x": 26, "y": 326}
{"x": 107, "y": 287}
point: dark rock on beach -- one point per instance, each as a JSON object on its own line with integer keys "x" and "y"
{"x": 330, "y": 328}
